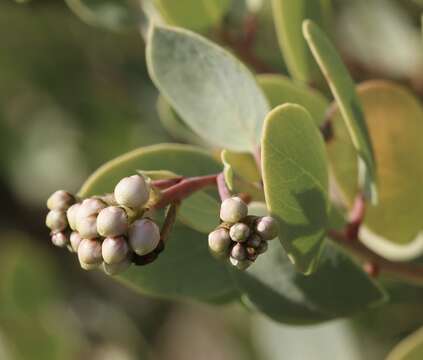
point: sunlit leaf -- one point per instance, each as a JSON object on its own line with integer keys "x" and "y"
{"x": 211, "y": 90}
{"x": 295, "y": 177}
{"x": 411, "y": 348}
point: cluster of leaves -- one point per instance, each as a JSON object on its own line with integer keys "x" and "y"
{"x": 210, "y": 98}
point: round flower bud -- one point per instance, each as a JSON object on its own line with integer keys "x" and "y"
{"x": 60, "y": 200}
{"x": 89, "y": 252}
{"x": 75, "y": 240}
{"x": 56, "y": 220}
{"x": 241, "y": 265}
{"x": 59, "y": 239}
{"x": 219, "y": 241}
{"x": 144, "y": 236}
{"x": 251, "y": 254}
{"x": 87, "y": 227}
{"x": 89, "y": 207}
{"x": 114, "y": 250}
{"x": 89, "y": 266}
{"x": 267, "y": 228}
{"x": 239, "y": 232}
{"x": 113, "y": 269}
{"x": 239, "y": 252}
{"x": 71, "y": 215}
{"x": 132, "y": 191}
{"x": 112, "y": 221}
{"x": 262, "y": 248}
{"x": 254, "y": 241}
{"x": 233, "y": 210}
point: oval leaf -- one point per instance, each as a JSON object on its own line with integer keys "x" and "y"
{"x": 338, "y": 288}
{"x": 184, "y": 270}
{"x": 343, "y": 91}
{"x": 209, "y": 88}
{"x": 288, "y": 17}
{"x": 295, "y": 177}
{"x": 195, "y": 15}
{"x": 394, "y": 226}
{"x": 280, "y": 89}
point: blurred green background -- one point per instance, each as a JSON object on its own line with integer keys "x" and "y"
{"x": 73, "y": 96}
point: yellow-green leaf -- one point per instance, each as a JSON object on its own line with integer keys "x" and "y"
{"x": 394, "y": 116}
{"x": 411, "y": 348}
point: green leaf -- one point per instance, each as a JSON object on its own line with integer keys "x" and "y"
{"x": 295, "y": 177}
{"x": 183, "y": 160}
{"x": 343, "y": 90}
{"x": 110, "y": 14}
{"x": 280, "y": 89}
{"x": 411, "y": 348}
{"x": 210, "y": 89}
{"x": 394, "y": 226}
{"x": 174, "y": 125}
{"x": 288, "y": 17}
{"x": 195, "y": 15}
{"x": 200, "y": 211}
{"x": 184, "y": 270}
{"x": 273, "y": 286}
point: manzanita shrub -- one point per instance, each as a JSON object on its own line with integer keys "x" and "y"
{"x": 292, "y": 195}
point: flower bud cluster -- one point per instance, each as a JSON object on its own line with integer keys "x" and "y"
{"x": 241, "y": 238}
{"x": 105, "y": 233}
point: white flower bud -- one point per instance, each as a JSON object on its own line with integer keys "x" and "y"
{"x": 254, "y": 241}
{"x": 239, "y": 252}
{"x": 56, "y": 220}
{"x": 113, "y": 269}
{"x": 219, "y": 241}
{"x": 233, "y": 210}
{"x": 89, "y": 207}
{"x": 114, "y": 250}
{"x": 89, "y": 252}
{"x": 87, "y": 227}
{"x": 59, "y": 239}
{"x": 75, "y": 240}
{"x": 241, "y": 265}
{"x": 132, "y": 192}
{"x": 267, "y": 228}
{"x": 239, "y": 232}
{"x": 71, "y": 215}
{"x": 144, "y": 236}
{"x": 60, "y": 200}
{"x": 112, "y": 221}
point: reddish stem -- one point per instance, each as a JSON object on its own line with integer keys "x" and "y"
{"x": 224, "y": 192}
{"x": 183, "y": 189}
{"x": 356, "y": 218}
{"x": 165, "y": 183}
